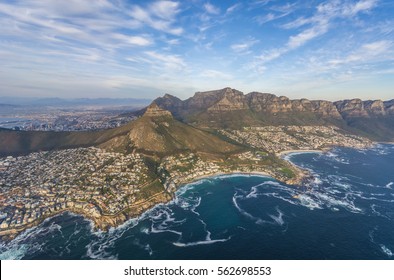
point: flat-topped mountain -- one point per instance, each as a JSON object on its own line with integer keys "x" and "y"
{"x": 230, "y": 108}
{"x": 228, "y": 99}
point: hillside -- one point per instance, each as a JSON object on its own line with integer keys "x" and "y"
{"x": 157, "y": 132}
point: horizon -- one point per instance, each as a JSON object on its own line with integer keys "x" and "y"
{"x": 35, "y": 98}
{"x": 330, "y": 50}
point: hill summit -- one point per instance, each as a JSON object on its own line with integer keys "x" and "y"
{"x": 153, "y": 110}
{"x": 156, "y": 132}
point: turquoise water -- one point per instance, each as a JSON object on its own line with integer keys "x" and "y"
{"x": 346, "y": 213}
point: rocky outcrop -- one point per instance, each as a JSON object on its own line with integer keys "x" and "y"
{"x": 389, "y": 106}
{"x": 155, "y": 111}
{"x": 326, "y": 109}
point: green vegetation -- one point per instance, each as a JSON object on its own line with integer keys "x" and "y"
{"x": 287, "y": 172}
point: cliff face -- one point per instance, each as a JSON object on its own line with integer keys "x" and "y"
{"x": 369, "y": 108}
{"x": 228, "y": 99}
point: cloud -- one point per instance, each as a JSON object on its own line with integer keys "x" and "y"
{"x": 276, "y": 12}
{"x": 133, "y": 40}
{"x": 366, "y": 53}
{"x": 168, "y": 61}
{"x": 211, "y": 9}
{"x": 360, "y": 6}
{"x": 233, "y": 8}
{"x": 306, "y": 35}
{"x": 269, "y": 17}
{"x": 245, "y": 46}
{"x": 159, "y": 15}
{"x": 215, "y": 74}
{"x": 319, "y": 24}
{"x": 165, "y": 9}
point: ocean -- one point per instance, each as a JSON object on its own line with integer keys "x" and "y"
{"x": 347, "y": 212}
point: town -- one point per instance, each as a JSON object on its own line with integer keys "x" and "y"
{"x": 88, "y": 180}
{"x": 277, "y": 139}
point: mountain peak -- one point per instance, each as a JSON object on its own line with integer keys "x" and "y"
{"x": 169, "y": 96}
{"x": 154, "y": 110}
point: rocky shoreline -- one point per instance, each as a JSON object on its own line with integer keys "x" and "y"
{"x": 105, "y": 222}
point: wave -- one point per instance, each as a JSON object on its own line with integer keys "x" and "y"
{"x": 386, "y": 250}
{"x": 246, "y": 214}
{"x": 382, "y": 247}
{"x": 31, "y": 241}
{"x": 204, "y": 242}
{"x": 102, "y": 244}
{"x": 278, "y": 219}
{"x": 309, "y": 202}
{"x": 345, "y": 203}
{"x": 208, "y": 240}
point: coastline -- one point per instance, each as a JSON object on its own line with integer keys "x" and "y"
{"x": 104, "y": 222}
{"x": 224, "y": 174}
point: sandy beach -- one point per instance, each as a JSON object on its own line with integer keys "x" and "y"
{"x": 283, "y": 153}
{"x": 222, "y": 174}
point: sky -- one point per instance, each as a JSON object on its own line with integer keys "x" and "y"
{"x": 142, "y": 49}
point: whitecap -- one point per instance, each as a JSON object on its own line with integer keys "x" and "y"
{"x": 13, "y": 252}
{"x": 253, "y": 193}
{"x": 309, "y": 202}
{"x": 331, "y": 201}
{"x": 278, "y": 219}
{"x": 386, "y": 250}
{"x": 246, "y": 214}
{"x": 205, "y": 242}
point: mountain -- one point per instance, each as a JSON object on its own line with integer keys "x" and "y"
{"x": 230, "y": 108}
{"x": 158, "y": 133}
{"x": 371, "y": 118}
{"x": 155, "y": 133}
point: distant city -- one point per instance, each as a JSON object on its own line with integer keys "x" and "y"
{"x": 55, "y": 114}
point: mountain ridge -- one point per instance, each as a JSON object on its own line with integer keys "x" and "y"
{"x": 230, "y": 108}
